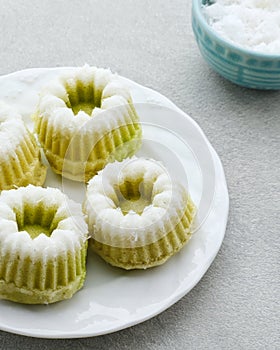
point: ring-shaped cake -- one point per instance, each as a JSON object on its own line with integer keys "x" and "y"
{"x": 20, "y": 157}
{"x": 138, "y": 215}
{"x": 85, "y": 119}
{"x": 43, "y": 245}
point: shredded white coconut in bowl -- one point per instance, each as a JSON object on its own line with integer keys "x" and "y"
{"x": 251, "y": 24}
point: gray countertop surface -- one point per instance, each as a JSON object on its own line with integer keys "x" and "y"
{"x": 236, "y": 303}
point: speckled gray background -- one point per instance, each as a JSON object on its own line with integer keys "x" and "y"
{"x": 235, "y": 304}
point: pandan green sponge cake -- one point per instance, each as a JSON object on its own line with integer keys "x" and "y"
{"x": 138, "y": 216}
{"x": 20, "y": 157}
{"x": 85, "y": 119}
{"x": 43, "y": 245}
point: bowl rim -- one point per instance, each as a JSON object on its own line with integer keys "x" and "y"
{"x": 197, "y": 10}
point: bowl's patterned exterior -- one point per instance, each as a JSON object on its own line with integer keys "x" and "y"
{"x": 243, "y": 67}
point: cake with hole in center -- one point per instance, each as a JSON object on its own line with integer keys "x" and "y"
{"x": 20, "y": 157}
{"x": 43, "y": 245}
{"x": 138, "y": 215}
{"x": 85, "y": 119}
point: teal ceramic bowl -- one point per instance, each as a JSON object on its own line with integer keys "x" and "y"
{"x": 240, "y": 66}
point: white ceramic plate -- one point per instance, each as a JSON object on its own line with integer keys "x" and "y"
{"x": 113, "y": 299}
